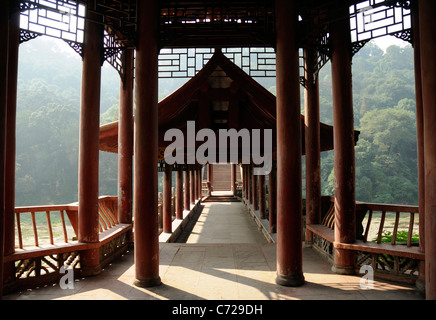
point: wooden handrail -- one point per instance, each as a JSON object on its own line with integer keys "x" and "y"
{"x": 34, "y": 210}
{"x": 107, "y": 219}
{"x": 399, "y": 210}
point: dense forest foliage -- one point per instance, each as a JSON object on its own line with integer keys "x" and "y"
{"x": 384, "y": 112}
{"x": 48, "y": 124}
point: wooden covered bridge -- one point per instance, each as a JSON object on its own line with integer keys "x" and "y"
{"x": 221, "y": 46}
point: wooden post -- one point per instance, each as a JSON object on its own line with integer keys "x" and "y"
{"x": 4, "y": 29}
{"x": 233, "y": 177}
{"x": 125, "y": 141}
{"x": 312, "y": 143}
{"x": 272, "y": 200}
{"x": 179, "y": 193}
{"x": 146, "y": 149}
{"x": 199, "y": 184}
{"x": 192, "y": 185}
{"x": 211, "y": 176}
{"x": 262, "y": 213}
{"x": 244, "y": 183}
{"x": 196, "y": 176}
{"x": 249, "y": 184}
{"x": 10, "y": 143}
{"x": 88, "y": 222}
{"x": 187, "y": 198}
{"x": 254, "y": 190}
{"x": 427, "y": 29}
{"x": 166, "y": 205}
{"x": 343, "y": 129}
{"x": 420, "y": 282}
{"x": 289, "y": 185}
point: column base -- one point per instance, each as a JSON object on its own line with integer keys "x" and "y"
{"x": 344, "y": 270}
{"x": 420, "y": 285}
{"x": 290, "y": 281}
{"x": 148, "y": 283}
{"x": 307, "y": 244}
{"x": 90, "y": 271}
{"x": 90, "y": 263}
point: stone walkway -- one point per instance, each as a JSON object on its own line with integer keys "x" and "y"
{"x": 226, "y": 257}
{"x": 225, "y": 222}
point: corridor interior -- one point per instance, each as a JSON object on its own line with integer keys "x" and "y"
{"x": 226, "y": 257}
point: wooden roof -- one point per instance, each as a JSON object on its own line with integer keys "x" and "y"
{"x": 220, "y": 96}
{"x": 212, "y": 23}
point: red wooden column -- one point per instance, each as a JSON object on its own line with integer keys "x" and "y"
{"x": 200, "y": 180}
{"x": 4, "y": 29}
{"x": 187, "y": 197}
{"x": 179, "y": 193}
{"x": 146, "y": 147}
{"x": 255, "y": 190}
{"x": 343, "y": 131}
{"x": 125, "y": 141}
{"x": 261, "y": 196}
{"x": 289, "y": 202}
{"x": 233, "y": 177}
{"x": 249, "y": 184}
{"x": 166, "y": 205}
{"x": 420, "y": 282}
{"x": 88, "y": 221}
{"x": 312, "y": 143}
{"x": 272, "y": 200}
{"x": 196, "y": 176}
{"x": 192, "y": 185}
{"x": 244, "y": 182}
{"x": 427, "y": 29}
{"x": 11, "y": 111}
{"x": 210, "y": 173}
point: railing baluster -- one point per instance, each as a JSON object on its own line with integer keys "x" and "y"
{"x": 20, "y": 235}
{"x": 409, "y": 236}
{"x": 394, "y": 234}
{"x": 50, "y": 231}
{"x": 64, "y": 228}
{"x": 368, "y": 224}
{"x": 382, "y": 223}
{"x": 35, "y": 231}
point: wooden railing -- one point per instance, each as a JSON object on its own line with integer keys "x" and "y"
{"x": 37, "y": 228}
{"x": 392, "y": 260}
{"x": 371, "y": 228}
{"x": 42, "y": 232}
{"x": 107, "y": 209}
{"x": 34, "y": 225}
{"x": 400, "y": 214}
{"x": 46, "y": 241}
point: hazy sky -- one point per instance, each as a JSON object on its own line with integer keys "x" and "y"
{"x": 386, "y": 41}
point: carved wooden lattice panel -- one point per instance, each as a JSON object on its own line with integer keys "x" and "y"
{"x": 388, "y": 264}
{"x": 110, "y": 248}
{"x": 63, "y": 19}
{"x": 376, "y": 18}
{"x": 41, "y": 266}
{"x": 322, "y": 244}
{"x": 186, "y": 62}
